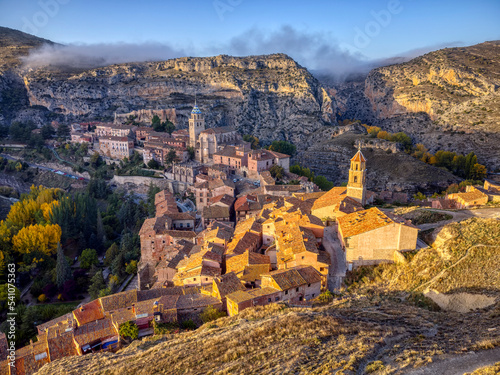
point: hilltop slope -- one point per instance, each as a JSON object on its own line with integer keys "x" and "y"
{"x": 377, "y": 319}
{"x": 447, "y": 99}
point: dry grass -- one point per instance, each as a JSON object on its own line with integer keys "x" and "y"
{"x": 489, "y": 370}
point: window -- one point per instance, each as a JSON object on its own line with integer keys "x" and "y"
{"x": 321, "y": 269}
{"x": 355, "y": 178}
{"x": 269, "y": 300}
{"x": 276, "y": 298}
{"x": 296, "y": 289}
{"x": 313, "y": 295}
{"x": 356, "y": 167}
{"x": 194, "y": 279}
{"x": 286, "y": 291}
{"x": 308, "y": 285}
{"x": 303, "y": 257}
{"x": 206, "y": 279}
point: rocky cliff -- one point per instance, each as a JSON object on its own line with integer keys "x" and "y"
{"x": 269, "y": 96}
{"x": 448, "y": 99}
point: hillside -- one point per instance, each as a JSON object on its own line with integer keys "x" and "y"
{"x": 269, "y": 96}
{"x": 447, "y": 99}
{"x": 377, "y": 325}
{"x": 329, "y": 151}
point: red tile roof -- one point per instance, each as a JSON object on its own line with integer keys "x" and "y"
{"x": 89, "y": 312}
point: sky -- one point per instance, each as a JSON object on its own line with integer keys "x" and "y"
{"x": 322, "y": 34}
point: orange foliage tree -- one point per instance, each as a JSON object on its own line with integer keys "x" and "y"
{"x": 43, "y": 238}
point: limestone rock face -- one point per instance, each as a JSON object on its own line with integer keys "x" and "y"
{"x": 269, "y": 96}
{"x": 448, "y": 99}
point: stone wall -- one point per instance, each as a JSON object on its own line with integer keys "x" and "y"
{"x": 141, "y": 184}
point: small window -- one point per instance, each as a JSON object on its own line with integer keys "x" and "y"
{"x": 296, "y": 289}
{"x": 206, "y": 279}
{"x": 313, "y": 295}
{"x": 276, "y": 298}
{"x": 269, "y": 300}
{"x": 194, "y": 279}
{"x": 286, "y": 291}
{"x": 303, "y": 257}
{"x": 321, "y": 269}
{"x": 355, "y": 178}
{"x": 308, "y": 285}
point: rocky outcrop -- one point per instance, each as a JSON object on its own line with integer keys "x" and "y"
{"x": 269, "y": 96}
{"x": 447, "y": 99}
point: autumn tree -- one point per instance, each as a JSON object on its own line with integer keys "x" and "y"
{"x": 42, "y": 238}
{"x": 88, "y": 258}
{"x": 63, "y": 269}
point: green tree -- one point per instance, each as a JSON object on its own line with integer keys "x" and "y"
{"x": 63, "y": 131}
{"x": 47, "y": 131}
{"x": 191, "y": 152}
{"x": 96, "y": 285}
{"x": 171, "y": 157}
{"x": 88, "y": 258}
{"x": 478, "y": 172}
{"x": 277, "y": 171}
{"x": 131, "y": 267}
{"x": 283, "y": 147}
{"x": 63, "y": 269}
{"x": 323, "y": 183}
{"x": 111, "y": 254}
{"x": 155, "y": 120}
{"x": 129, "y": 330}
{"x": 254, "y": 141}
{"x": 211, "y": 313}
{"x": 153, "y": 164}
{"x": 101, "y": 233}
{"x": 169, "y": 126}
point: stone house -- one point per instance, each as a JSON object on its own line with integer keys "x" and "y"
{"x": 372, "y": 236}
{"x": 233, "y": 157}
{"x": 185, "y": 172}
{"x": 165, "y": 203}
{"x": 224, "y": 285}
{"x": 198, "y": 269}
{"x": 249, "y": 267}
{"x": 263, "y": 160}
{"x": 116, "y": 147}
{"x": 215, "y": 213}
{"x": 473, "y": 197}
{"x": 295, "y": 284}
{"x": 240, "y": 300}
{"x": 205, "y": 190}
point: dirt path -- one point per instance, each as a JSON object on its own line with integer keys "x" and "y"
{"x": 460, "y": 364}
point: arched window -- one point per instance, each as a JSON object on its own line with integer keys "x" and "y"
{"x": 356, "y": 167}
{"x": 355, "y": 178}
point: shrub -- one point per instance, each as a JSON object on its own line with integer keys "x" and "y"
{"x": 129, "y": 330}
{"x": 42, "y": 298}
{"x": 374, "y": 366}
{"x": 211, "y": 313}
{"x": 325, "y": 297}
{"x": 188, "y": 324}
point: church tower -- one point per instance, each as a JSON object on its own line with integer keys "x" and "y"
{"x": 196, "y": 125}
{"x": 356, "y": 188}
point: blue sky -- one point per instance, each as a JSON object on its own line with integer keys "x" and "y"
{"x": 365, "y": 29}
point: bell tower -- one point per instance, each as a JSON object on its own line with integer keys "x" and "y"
{"x": 196, "y": 125}
{"x": 356, "y": 188}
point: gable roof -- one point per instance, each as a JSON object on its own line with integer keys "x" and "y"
{"x": 227, "y": 284}
{"x": 215, "y": 212}
{"x": 89, "y": 312}
{"x": 365, "y": 221}
{"x": 294, "y": 277}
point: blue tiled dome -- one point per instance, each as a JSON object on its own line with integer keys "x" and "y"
{"x": 196, "y": 110}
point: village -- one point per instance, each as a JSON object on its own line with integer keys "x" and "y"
{"x": 276, "y": 243}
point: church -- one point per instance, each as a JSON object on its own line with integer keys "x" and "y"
{"x": 206, "y": 142}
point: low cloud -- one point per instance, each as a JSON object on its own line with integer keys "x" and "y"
{"x": 320, "y": 52}
{"x": 96, "y": 55}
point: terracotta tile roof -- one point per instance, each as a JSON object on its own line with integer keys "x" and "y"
{"x": 163, "y": 196}
{"x": 195, "y": 301}
{"x": 358, "y": 157}
{"x": 240, "y": 296}
{"x": 294, "y": 239}
{"x": 227, "y": 283}
{"x": 219, "y": 130}
{"x": 365, "y": 221}
{"x": 94, "y": 331}
{"x": 309, "y": 196}
{"x": 324, "y": 257}
{"x": 158, "y": 224}
{"x": 181, "y": 233}
{"x": 224, "y": 199}
{"x": 119, "y": 300}
{"x": 144, "y": 295}
{"x": 294, "y": 277}
{"x": 169, "y": 302}
{"x": 254, "y": 272}
{"x": 267, "y": 178}
{"x": 239, "y": 262}
{"x": 243, "y": 242}
{"x": 53, "y": 322}
{"x": 89, "y": 312}
{"x": 251, "y": 224}
{"x": 215, "y": 212}
{"x": 229, "y": 151}
{"x": 471, "y": 196}
{"x": 218, "y": 234}
{"x": 309, "y": 274}
{"x": 179, "y": 216}
{"x": 290, "y": 188}
{"x": 121, "y": 316}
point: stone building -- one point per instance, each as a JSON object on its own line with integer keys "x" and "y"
{"x": 116, "y": 147}
{"x": 371, "y": 237}
{"x": 185, "y": 172}
{"x": 356, "y": 188}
